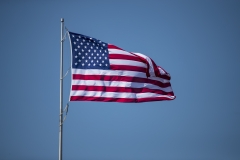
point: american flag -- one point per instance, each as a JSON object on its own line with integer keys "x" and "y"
{"x": 105, "y": 72}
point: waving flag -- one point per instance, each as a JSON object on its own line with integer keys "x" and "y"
{"x": 105, "y": 72}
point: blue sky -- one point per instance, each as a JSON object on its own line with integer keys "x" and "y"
{"x": 197, "y": 42}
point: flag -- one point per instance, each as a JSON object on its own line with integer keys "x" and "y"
{"x": 105, "y": 72}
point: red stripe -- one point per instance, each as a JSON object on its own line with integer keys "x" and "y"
{"x": 127, "y": 68}
{"x": 144, "y": 61}
{"x": 141, "y": 59}
{"x": 111, "y": 46}
{"x": 127, "y": 100}
{"x": 120, "y": 79}
{"x": 156, "y": 70}
{"x": 120, "y": 89}
{"x": 166, "y": 75}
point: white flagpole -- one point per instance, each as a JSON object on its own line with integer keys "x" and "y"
{"x": 61, "y": 93}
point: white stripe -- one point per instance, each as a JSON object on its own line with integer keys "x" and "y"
{"x": 127, "y": 62}
{"x": 117, "y": 51}
{"x": 151, "y": 68}
{"x": 159, "y": 79}
{"x": 108, "y": 72}
{"x": 120, "y": 84}
{"x": 103, "y": 94}
{"x": 116, "y": 94}
{"x": 116, "y": 73}
{"x": 162, "y": 72}
{"x": 151, "y": 95}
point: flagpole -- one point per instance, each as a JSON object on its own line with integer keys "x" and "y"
{"x": 61, "y": 93}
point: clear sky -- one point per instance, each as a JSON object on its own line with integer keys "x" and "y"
{"x": 196, "y": 41}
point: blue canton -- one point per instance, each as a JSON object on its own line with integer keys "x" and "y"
{"x": 89, "y": 53}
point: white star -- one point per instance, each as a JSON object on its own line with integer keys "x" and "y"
{"x": 79, "y": 60}
{"x": 97, "y": 54}
{"x": 82, "y": 50}
{"x": 81, "y": 43}
{"x": 76, "y": 63}
{"x": 93, "y": 44}
{"x": 96, "y": 47}
{"x": 83, "y": 40}
{"x": 79, "y": 36}
{"x": 102, "y": 61}
{"x": 91, "y": 47}
{"x": 94, "y": 57}
{"x": 72, "y": 35}
{"x": 78, "y": 46}
{"x": 92, "y": 61}
{"x": 100, "y": 57}
{"x": 105, "y": 51}
{"x": 86, "y": 60}
{"x": 86, "y": 54}
{"x": 77, "y": 39}
{"x": 92, "y": 54}
{"x": 103, "y": 54}
{"x": 105, "y": 57}
{"x": 89, "y": 50}
{"x": 76, "y": 56}
{"x": 106, "y": 65}
{"x": 94, "y": 64}
{"x": 103, "y": 44}
{"x": 94, "y": 50}
{"x": 75, "y": 49}
{"x": 82, "y": 64}
{"x": 97, "y": 61}
{"x": 87, "y": 43}
{"x": 89, "y": 64}
{"x": 85, "y": 46}
{"x": 100, "y": 51}
{"x": 89, "y": 57}
{"x": 83, "y": 57}
{"x": 100, "y": 64}
{"x": 74, "y": 42}
{"x": 79, "y": 53}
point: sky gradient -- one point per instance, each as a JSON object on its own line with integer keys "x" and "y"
{"x": 197, "y": 42}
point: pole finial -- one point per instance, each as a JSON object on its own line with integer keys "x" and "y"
{"x": 62, "y": 19}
